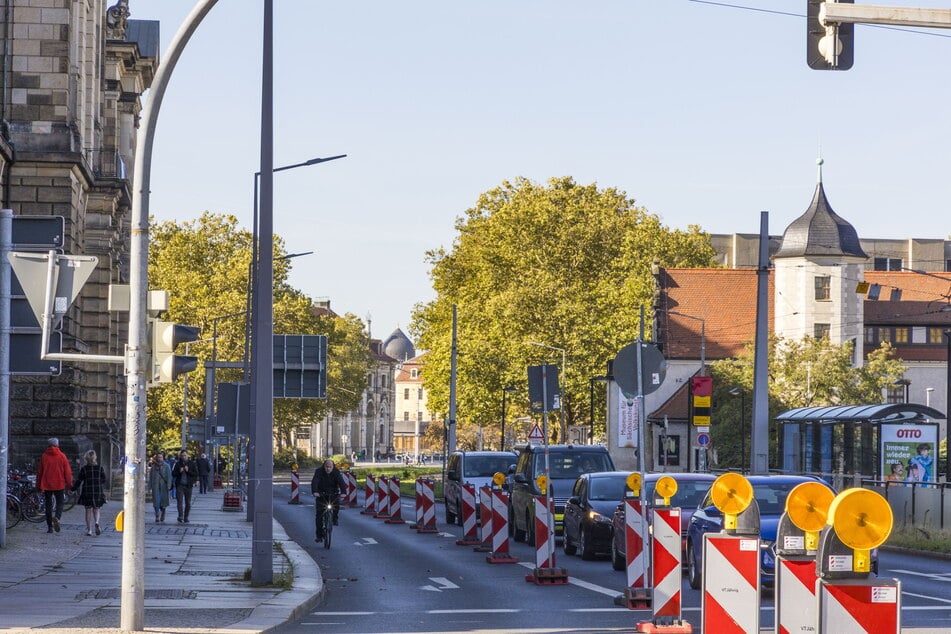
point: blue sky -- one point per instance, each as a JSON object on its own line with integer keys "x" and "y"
{"x": 703, "y": 113}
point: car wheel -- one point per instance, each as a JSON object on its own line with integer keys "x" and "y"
{"x": 584, "y": 545}
{"x": 617, "y": 561}
{"x": 569, "y": 548}
{"x": 518, "y": 535}
{"x": 693, "y": 568}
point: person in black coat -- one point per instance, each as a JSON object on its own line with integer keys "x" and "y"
{"x": 204, "y": 473}
{"x": 325, "y": 485}
{"x": 184, "y": 475}
{"x": 91, "y": 484}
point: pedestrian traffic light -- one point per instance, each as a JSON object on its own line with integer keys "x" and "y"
{"x": 165, "y": 365}
{"x": 828, "y": 48}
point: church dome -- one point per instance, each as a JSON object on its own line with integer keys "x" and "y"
{"x": 398, "y": 346}
{"x": 820, "y": 231}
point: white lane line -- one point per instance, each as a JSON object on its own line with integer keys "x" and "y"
{"x": 581, "y": 584}
{"x": 922, "y": 596}
{"x": 475, "y": 611}
{"x": 342, "y": 613}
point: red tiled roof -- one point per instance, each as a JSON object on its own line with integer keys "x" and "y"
{"x": 725, "y": 299}
{"x": 914, "y": 286}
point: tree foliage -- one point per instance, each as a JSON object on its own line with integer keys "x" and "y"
{"x": 802, "y": 373}
{"x": 561, "y": 264}
{"x": 204, "y": 265}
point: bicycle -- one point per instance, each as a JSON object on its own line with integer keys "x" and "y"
{"x": 14, "y": 511}
{"x": 327, "y": 518}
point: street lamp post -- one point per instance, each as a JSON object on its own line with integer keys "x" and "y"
{"x": 563, "y": 382}
{"x": 505, "y": 391}
{"x": 738, "y": 391}
{"x": 591, "y": 405}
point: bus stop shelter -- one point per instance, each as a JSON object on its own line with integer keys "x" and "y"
{"x": 844, "y": 443}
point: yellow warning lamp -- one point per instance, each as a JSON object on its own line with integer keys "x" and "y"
{"x": 498, "y": 479}
{"x": 666, "y": 488}
{"x": 120, "y": 518}
{"x": 808, "y": 508}
{"x": 542, "y": 483}
{"x": 634, "y": 483}
{"x": 294, "y": 467}
{"x": 863, "y": 520}
{"x": 731, "y": 493}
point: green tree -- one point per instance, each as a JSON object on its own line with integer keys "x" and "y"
{"x": 562, "y": 264}
{"x": 204, "y": 265}
{"x": 802, "y": 373}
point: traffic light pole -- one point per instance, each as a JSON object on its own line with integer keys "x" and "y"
{"x": 132, "y": 598}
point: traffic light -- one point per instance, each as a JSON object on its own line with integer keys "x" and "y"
{"x": 828, "y": 49}
{"x": 165, "y": 364}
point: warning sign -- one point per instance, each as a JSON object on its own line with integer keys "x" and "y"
{"x": 535, "y": 436}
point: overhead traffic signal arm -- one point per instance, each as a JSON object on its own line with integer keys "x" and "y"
{"x": 165, "y": 365}
{"x": 830, "y": 30}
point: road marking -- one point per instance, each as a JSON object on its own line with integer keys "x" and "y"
{"x": 343, "y": 613}
{"x": 922, "y": 596}
{"x": 441, "y": 584}
{"x": 367, "y": 541}
{"x": 935, "y": 576}
{"x": 475, "y": 611}
{"x": 581, "y": 584}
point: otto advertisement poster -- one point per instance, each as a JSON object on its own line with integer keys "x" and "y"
{"x": 627, "y": 427}
{"x": 908, "y": 452}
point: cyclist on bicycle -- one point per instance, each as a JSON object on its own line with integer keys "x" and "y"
{"x": 325, "y": 486}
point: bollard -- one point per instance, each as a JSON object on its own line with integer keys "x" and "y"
{"x": 369, "y": 499}
{"x": 500, "y": 529}
{"x": 351, "y": 479}
{"x": 396, "y": 506}
{"x": 418, "y": 489}
{"x": 545, "y": 572}
{"x": 427, "y": 522}
{"x": 666, "y": 576}
{"x": 637, "y": 595}
{"x": 295, "y": 486}
{"x": 485, "y": 506}
{"x": 382, "y": 497}
{"x": 469, "y": 535}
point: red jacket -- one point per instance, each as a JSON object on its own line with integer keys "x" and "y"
{"x": 53, "y": 473}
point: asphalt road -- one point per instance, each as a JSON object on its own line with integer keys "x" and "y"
{"x": 389, "y": 578}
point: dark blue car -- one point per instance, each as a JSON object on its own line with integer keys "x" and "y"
{"x": 770, "y": 493}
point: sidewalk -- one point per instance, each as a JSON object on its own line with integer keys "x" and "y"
{"x": 194, "y": 575}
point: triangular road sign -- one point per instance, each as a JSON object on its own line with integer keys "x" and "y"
{"x": 535, "y": 436}
{"x": 69, "y": 274}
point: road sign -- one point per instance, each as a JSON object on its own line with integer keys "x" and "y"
{"x": 25, "y": 353}
{"x": 37, "y": 233}
{"x": 654, "y": 368}
{"x": 535, "y": 436}
{"x": 703, "y": 439}
{"x": 535, "y": 391}
{"x": 70, "y": 272}
{"x": 300, "y": 366}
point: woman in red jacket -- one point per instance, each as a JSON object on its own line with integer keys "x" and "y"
{"x": 53, "y": 476}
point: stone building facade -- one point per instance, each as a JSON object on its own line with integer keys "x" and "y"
{"x": 73, "y": 76}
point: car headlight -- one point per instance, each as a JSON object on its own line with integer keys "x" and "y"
{"x": 594, "y": 516}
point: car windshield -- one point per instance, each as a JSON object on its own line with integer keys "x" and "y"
{"x": 689, "y": 493}
{"x": 772, "y": 497}
{"x": 607, "y": 488}
{"x": 487, "y": 466}
{"x": 567, "y": 465}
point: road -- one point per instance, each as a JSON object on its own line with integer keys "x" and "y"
{"x": 389, "y": 578}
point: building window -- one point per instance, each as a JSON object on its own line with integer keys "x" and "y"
{"x": 884, "y": 334}
{"x": 902, "y": 335}
{"x": 406, "y": 394}
{"x": 414, "y": 373}
{"x": 935, "y": 335}
{"x": 382, "y": 380}
{"x": 419, "y": 416}
{"x": 406, "y": 416}
{"x": 870, "y": 335}
{"x": 822, "y": 331}
{"x": 823, "y": 287}
{"x": 419, "y": 394}
{"x": 887, "y": 264}
{"x": 370, "y": 380}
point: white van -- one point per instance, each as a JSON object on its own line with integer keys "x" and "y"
{"x": 475, "y": 468}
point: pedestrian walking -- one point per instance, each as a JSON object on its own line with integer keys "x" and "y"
{"x": 53, "y": 475}
{"x": 91, "y": 484}
{"x": 160, "y": 484}
{"x": 184, "y": 475}
{"x": 204, "y": 473}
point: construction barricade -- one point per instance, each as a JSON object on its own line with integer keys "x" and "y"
{"x": 546, "y": 573}
{"x": 396, "y": 506}
{"x": 426, "y": 523}
{"x": 418, "y": 490}
{"x": 485, "y": 512}
{"x": 666, "y": 558}
{"x": 369, "y": 500}
{"x": 470, "y": 535}
{"x": 636, "y": 537}
{"x": 351, "y": 480}
{"x": 295, "y": 486}
{"x": 500, "y": 529}
{"x": 382, "y": 497}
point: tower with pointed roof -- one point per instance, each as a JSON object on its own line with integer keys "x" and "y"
{"x": 817, "y": 268}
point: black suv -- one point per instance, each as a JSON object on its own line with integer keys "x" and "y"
{"x": 565, "y": 464}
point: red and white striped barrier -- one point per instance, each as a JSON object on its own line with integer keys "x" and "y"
{"x": 427, "y": 523}
{"x": 796, "y": 603}
{"x": 485, "y": 512}
{"x": 860, "y": 606}
{"x": 418, "y": 490}
{"x": 500, "y": 529}
{"x": 382, "y": 497}
{"x": 731, "y": 595}
{"x": 636, "y": 595}
{"x": 396, "y": 505}
{"x": 369, "y": 500}
{"x": 545, "y": 573}
{"x": 351, "y": 480}
{"x": 667, "y": 553}
{"x": 295, "y": 488}
{"x": 470, "y": 536}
